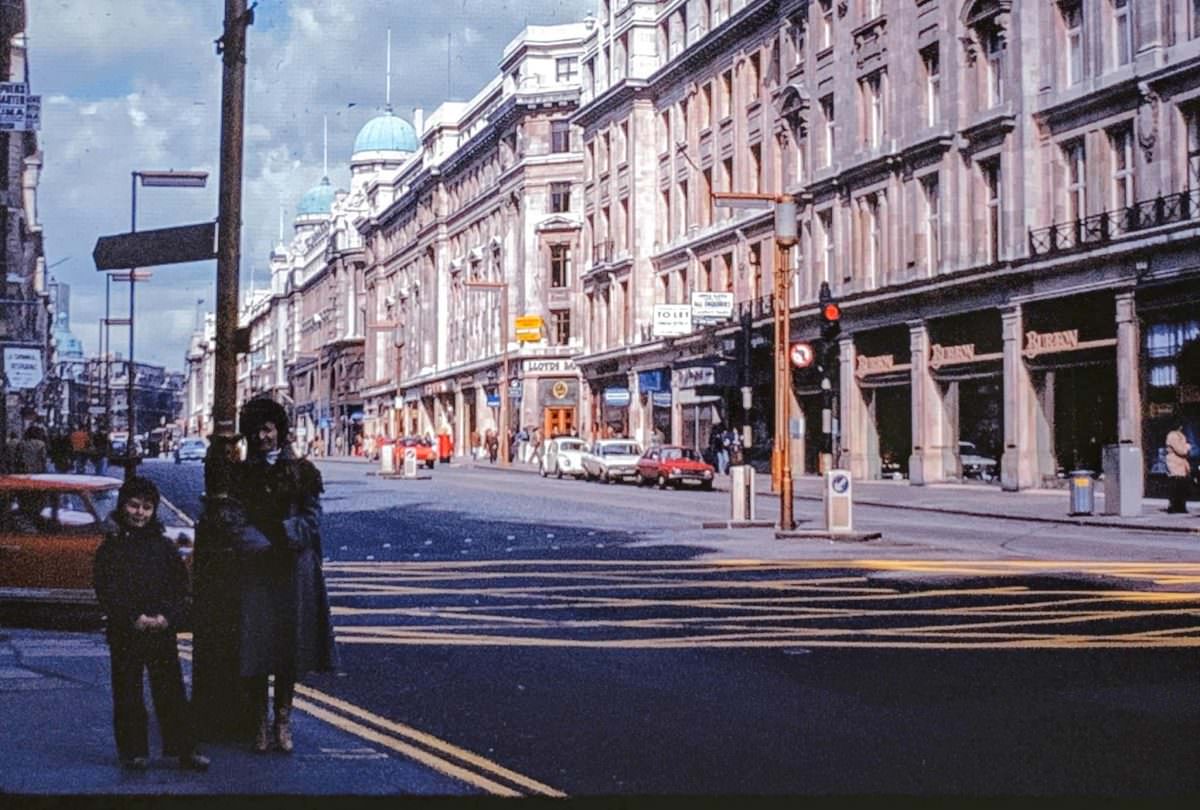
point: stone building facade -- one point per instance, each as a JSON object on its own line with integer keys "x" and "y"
{"x": 1001, "y": 195}
{"x": 492, "y": 198}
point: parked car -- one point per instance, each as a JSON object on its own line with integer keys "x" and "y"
{"x": 50, "y": 527}
{"x": 426, "y": 453}
{"x": 118, "y": 444}
{"x": 611, "y": 460}
{"x": 563, "y": 455}
{"x": 673, "y": 465}
{"x": 976, "y": 465}
{"x": 191, "y": 449}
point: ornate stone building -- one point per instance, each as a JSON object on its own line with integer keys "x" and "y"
{"x": 492, "y": 198}
{"x": 1000, "y": 194}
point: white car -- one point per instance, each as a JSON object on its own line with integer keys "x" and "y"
{"x": 612, "y": 460}
{"x": 976, "y": 465}
{"x": 563, "y": 455}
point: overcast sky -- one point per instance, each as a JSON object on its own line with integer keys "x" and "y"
{"x": 136, "y": 85}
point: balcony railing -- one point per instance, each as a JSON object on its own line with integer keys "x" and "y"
{"x": 1101, "y": 228}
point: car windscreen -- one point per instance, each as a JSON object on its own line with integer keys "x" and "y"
{"x": 105, "y": 502}
{"x": 621, "y": 450}
{"x": 678, "y": 452}
{"x": 571, "y": 446}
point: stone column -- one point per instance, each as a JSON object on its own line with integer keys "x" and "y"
{"x": 1018, "y": 464}
{"x": 639, "y": 414}
{"x": 855, "y": 418}
{"x": 460, "y": 430}
{"x": 933, "y": 436}
{"x": 1129, "y": 394}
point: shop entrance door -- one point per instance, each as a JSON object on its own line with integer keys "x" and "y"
{"x": 557, "y": 422}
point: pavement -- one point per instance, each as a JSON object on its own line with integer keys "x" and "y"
{"x": 966, "y": 499}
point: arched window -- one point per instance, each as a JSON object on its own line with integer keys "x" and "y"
{"x": 986, "y": 44}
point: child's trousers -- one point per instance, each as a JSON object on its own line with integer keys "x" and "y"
{"x": 156, "y": 653}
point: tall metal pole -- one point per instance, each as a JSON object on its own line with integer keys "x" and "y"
{"x": 216, "y": 691}
{"x": 505, "y": 448}
{"x": 130, "y": 456}
{"x": 785, "y": 237}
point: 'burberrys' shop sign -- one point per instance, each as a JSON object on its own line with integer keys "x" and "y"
{"x": 1038, "y": 343}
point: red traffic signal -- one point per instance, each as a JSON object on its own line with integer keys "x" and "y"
{"x": 831, "y": 312}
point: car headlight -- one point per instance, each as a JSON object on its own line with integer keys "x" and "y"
{"x": 708, "y": 473}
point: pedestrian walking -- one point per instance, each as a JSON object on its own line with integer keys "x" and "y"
{"x": 81, "y": 446}
{"x": 59, "y": 451}
{"x": 285, "y": 628}
{"x": 493, "y": 445}
{"x": 99, "y": 450}
{"x": 142, "y": 585}
{"x": 1179, "y": 468}
{"x": 29, "y": 454}
{"x": 476, "y": 444}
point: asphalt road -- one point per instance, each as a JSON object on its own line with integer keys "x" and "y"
{"x": 592, "y": 640}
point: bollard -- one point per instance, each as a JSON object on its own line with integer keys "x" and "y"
{"x": 387, "y": 459}
{"x": 839, "y": 501}
{"x": 1083, "y": 493}
{"x": 741, "y": 492}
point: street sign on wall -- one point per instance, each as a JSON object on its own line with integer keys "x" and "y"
{"x": 23, "y": 367}
{"x": 18, "y": 109}
{"x": 710, "y": 307}
{"x": 672, "y": 320}
{"x": 529, "y": 328}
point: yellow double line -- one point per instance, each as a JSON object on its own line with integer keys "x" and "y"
{"x": 443, "y": 757}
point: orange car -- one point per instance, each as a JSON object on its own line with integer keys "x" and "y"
{"x": 50, "y": 528}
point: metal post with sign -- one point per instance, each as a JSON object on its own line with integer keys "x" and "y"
{"x": 410, "y": 462}
{"x": 839, "y": 502}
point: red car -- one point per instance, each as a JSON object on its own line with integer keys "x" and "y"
{"x": 674, "y": 465}
{"x": 426, "y": 454}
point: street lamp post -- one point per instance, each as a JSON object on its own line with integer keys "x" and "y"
{"x": 502, "y": 287}
{"x": 785, "y": 238}
{"x": 163, "y": 179}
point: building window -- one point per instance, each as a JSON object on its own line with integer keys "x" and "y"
{"x": 873, "y": 251}
{"x": 1076, "y": 182}
{"x": 683, "y": 208}
{"x": 994, "y": 47}
{"x": 1120, "y": 140}
{"x": 726, "y": 94}
{"x": 826, "y": 32}
{"x": 1192, "y": 122}
{"x": 566, "y": 68}
{"x": 990, "y": 171}
{"x": 706, "y": 105}
{"x": 560, "y": 266}
{"x": 626, "y": 147}
{"x": 1122, "y": 32}
{"x": 827, "y": 141}
{"x": 560, "y": 198}
{"x": 1195, "y": 15}
{"x": 560, "y": 136}
{"x": 664, "y": 131}
{"x": 933, "y": 85}
{"x": 753, "y": 76}
{"x": 706, "y": 274}
{"x": 933, "y": 223}
{"x": 871, "y": 93}
{"x": 755, "y": 167}
{"x": 826, "y": 220}
{"x": 872, "y": 9}
{"x": 560, "y": 326}
{"x": 1072, "y": 17}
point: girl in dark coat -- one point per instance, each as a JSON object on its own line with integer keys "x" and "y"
{"x": 285, "y": 624}
{"x": 142, "y": 584}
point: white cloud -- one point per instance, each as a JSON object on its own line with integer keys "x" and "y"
{"x": 136, "y": 84}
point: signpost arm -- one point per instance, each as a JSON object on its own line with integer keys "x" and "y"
{"x": 505, "y": 394}
{"x": 130, "y": 457}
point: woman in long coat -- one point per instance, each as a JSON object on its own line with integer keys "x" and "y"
{"x": 285, "y": 627}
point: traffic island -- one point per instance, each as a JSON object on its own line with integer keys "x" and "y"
{"x": 818, "y": 534}
{"x": 737, "y": 524}
{"x": 400, "y": 476}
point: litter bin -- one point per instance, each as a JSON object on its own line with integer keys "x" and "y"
{"x": 1083, "y": 493}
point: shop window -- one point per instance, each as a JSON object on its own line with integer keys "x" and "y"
{"x": 560, "y": 266}
{"x": 560, "y": 198}
{"x": 560, "y": 136}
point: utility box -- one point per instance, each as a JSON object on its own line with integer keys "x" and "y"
{"x": 410, "y": 462}
{"x": 741, "y": 492}
{"x": 839, "y": 501}
{"x": 1123, "y": 483}
{"x": 387, "y": 459}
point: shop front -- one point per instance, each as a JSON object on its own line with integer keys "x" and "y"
{"x": 553, "y": 399}
{"x": 1171, "y": 379}
{"x": 700, "y": 392}
{"x": 877, "y": 404}
{"x": 654, "y": 389}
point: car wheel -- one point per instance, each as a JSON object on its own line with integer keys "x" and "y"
{"x": 706, "y": 486}
{"x": 662, "y": 481}
{"x": 429, "y": 464}
{"x": 604, "y": 479}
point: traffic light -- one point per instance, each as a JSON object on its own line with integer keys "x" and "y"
{"x": 831, "y": 314}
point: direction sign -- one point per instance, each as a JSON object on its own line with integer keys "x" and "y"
{"x": 528, "y": 328}
{"x": 185, "y": 243}
{"x": 672, "y": 320}
{"x": 23, "y": 367}
{"x": 802, "y": 354}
